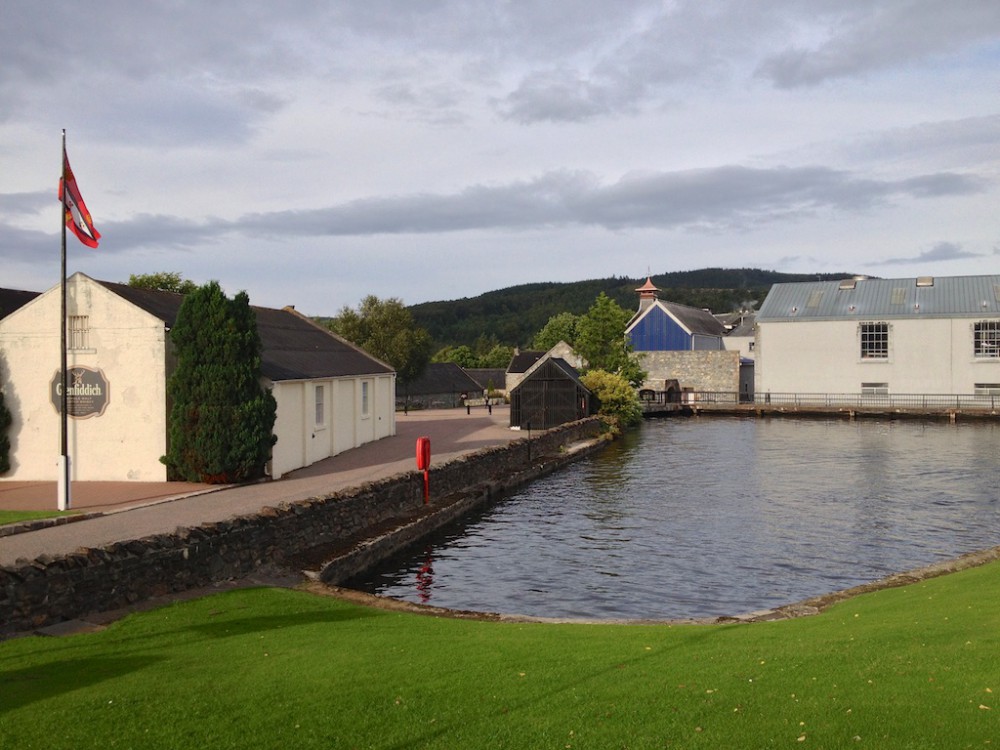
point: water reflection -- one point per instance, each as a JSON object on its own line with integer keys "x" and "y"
{"x": 713, "y": 516}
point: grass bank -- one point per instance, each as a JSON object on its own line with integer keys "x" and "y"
{"x": 17, "y": 516}
{"x": 912, "y": 667}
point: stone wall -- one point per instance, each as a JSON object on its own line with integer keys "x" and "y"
{"x": 50, "y": 590}
{"x": 717, "y": 371}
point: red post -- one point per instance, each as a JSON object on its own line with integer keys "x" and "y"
{"x": 424, "y": 464}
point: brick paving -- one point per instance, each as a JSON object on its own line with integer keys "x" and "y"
{"x": 132, "y": 510}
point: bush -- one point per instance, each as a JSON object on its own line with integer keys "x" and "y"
{"x": 619, "y": 401}
{"x": 221, "y": 419}
{"x": 5, "y": 420}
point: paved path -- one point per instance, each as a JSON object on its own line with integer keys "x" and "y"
{"x": 132, "y": 510}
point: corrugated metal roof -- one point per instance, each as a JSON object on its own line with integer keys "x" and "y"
{"x": 293, "y": 347}
{"x": 945, "y": 296}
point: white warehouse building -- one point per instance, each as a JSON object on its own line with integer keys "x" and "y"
{"x": 880, "y": 336}
{"x": 331, "y": 395}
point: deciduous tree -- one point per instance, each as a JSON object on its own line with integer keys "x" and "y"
{"x": 163, "y": 281}
{"x": 601, "y": 340}
{"x": 385, "y": 329}
{"x": 561, "y": 327}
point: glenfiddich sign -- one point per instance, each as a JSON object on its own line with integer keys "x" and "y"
{"x": 86, "y": 395}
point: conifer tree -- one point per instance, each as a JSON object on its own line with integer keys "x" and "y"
{"x": 221, "y": 418}
{"x": 5, "y": 420}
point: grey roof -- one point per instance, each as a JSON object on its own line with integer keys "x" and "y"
{"x": 522, "y": 361}
{"x": 443, "y": 377}
{"x": 564, "y": 368}
{"x": 12, "y": 299}
{"x": 293, "y": 347}
{"x": 866, "y": 299}
{"x": 694, "y": 319}
{"x": 485, "y": 375}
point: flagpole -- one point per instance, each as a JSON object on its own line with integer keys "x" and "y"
{"x": 63, "y": 490}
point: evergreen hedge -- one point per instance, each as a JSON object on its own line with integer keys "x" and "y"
{"x": 221, "y": 418}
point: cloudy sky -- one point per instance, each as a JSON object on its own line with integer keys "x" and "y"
{"x": 313, "y": 153}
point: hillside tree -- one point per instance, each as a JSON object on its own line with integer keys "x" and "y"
{"x": 560, "y": 327}
{"x": 385, "y": 329}
{"x": 222, "y": 418}
{"x": 601, "y": 340}
{"x": 162, "y": 281}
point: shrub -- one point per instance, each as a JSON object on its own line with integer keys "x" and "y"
{"x": 619, "y": 401}
{"x": 221, "y": 418}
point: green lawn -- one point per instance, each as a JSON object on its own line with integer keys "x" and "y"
{"x": 16, "y": 516}
{"x": 913, "y": 667}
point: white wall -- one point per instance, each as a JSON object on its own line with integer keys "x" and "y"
{"x": 301, "y": 441}
{"x": 926, "y": 355}
{"x": 128, "y": 346}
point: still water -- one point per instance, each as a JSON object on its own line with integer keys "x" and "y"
{"x": 715, "y": 516}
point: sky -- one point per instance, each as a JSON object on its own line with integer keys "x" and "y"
{"x": 314, "y": 153}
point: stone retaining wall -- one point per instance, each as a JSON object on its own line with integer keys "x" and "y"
{"x": 50, "y": 590}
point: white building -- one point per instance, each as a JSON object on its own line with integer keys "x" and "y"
{"x": 880, "y": 336}
{"x": 331, "y": 395}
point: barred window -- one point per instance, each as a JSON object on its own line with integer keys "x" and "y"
{"x": 79, "y": 332}
{"x": 874, "y": 340}
{"x": 986, "y": 338}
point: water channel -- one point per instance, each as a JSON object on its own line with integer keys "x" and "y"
{"x": 712, "y": 516}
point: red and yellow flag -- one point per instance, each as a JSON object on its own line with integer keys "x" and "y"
{"x": 77, "y": 216}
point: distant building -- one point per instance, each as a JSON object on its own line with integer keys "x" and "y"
{"x": 489, "y": 378}
{"x": 680, "y": 343}
{"x": 549, "y": 394}
{"x": 520, "y": 363}
{"x": 443, "y": 385}
{"x": 921, "y": 335}
{"x": 331, "y": 395}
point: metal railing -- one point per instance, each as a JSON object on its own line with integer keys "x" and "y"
{"x": 911, "y": 401}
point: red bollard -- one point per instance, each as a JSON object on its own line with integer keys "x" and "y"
{"x": 424, "y": 463}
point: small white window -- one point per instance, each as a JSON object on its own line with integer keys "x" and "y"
{"x": 79, "y": 332}
{"x": 364, "y": 398}
{"x": 320, "y": 405}
{"x": 875, "y": 389}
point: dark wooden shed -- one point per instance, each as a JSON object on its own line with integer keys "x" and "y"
{"x": 551, "y": 394}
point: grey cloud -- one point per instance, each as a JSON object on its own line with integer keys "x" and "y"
{"x": 866, "y": 37}
{"x": 706, "y": 200}
{"x": 557, "y": 96}
{"x": 34, "y": 202}
{"x": 723, "y": 197}
{"x": 942, "y": 251}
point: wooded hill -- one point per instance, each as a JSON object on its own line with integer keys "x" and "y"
{"x": 513, "y": 316}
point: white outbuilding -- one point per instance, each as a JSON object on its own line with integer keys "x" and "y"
{"x": 921, "y": 335}
{"x": 331, "y": 395}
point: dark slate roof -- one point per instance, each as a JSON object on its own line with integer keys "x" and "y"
{"x": 864, "y": 299}
{"x": 483, "y": 376}
{"x": 522, "y": 361}
{"x": 294, "y": 347}
{"x": 695, "y": 319}
{"x": 443, "y": 377}
{"x": 563, "y": 369}
{"x": 12, "y": 299}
